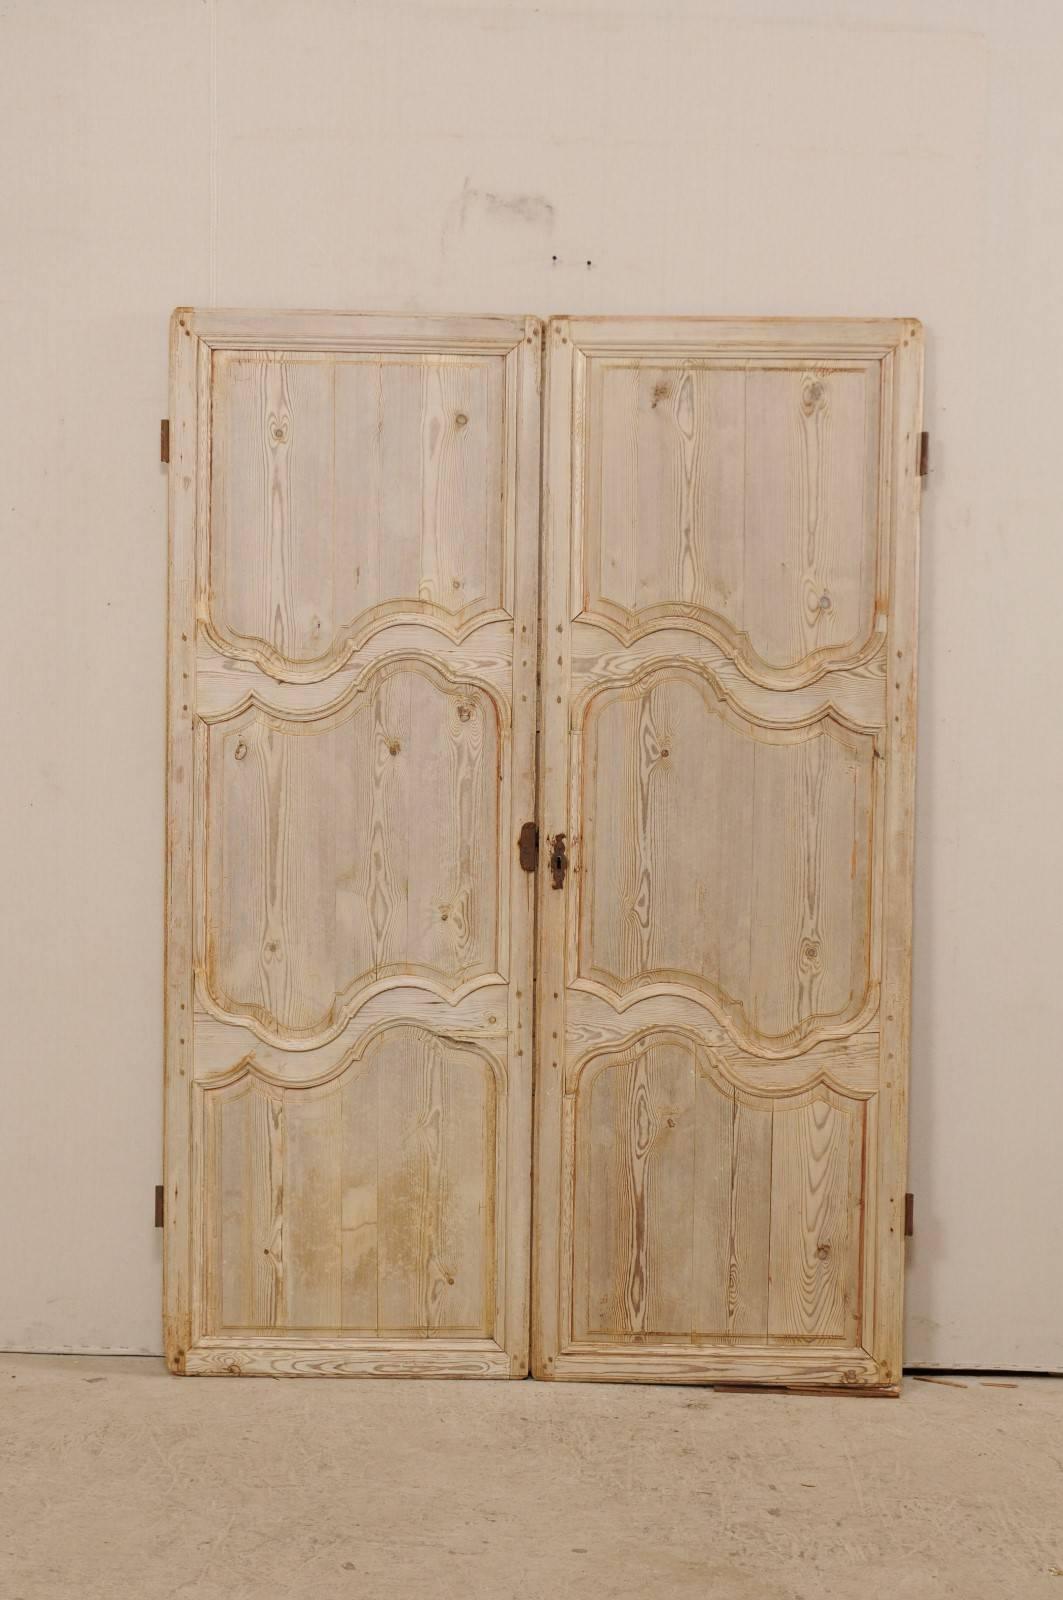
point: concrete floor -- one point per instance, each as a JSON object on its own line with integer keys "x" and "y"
{"x": 120, "y": 1482}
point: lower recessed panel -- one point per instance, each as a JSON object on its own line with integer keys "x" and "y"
{"x": 703, "y": 1213}
{"x": 362, "y": 1206}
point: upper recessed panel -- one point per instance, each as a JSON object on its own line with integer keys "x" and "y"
{"x": 347, "y": 491}
{"x": 740, "y": 498}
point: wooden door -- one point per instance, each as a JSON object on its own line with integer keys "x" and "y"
{"x": 354, "y": 554}
{"x": 728, "y": 681}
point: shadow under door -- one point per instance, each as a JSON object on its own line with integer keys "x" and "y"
{"x": 719, "y": 703}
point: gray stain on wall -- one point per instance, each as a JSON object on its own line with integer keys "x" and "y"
{"x": 474, "y": 205}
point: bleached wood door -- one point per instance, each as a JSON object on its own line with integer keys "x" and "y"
{"x": 354, "y": 553}
{"x": 728, "y": 679}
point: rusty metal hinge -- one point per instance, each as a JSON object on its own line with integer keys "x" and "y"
{"x": 528, "y": 847}
{"x": 558, "y": 860}
{"x": 164, "y": 439}
{"x": 160, "y": 1205}
{"x": 924, "y": 454}
{"x": 909, "y": 1215}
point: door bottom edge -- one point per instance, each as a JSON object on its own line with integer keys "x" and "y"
{"x": 844, "y": 1371}
{"x": 431, "y": 1360}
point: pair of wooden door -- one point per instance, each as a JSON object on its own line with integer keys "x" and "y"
{"x": 666, "y": 618}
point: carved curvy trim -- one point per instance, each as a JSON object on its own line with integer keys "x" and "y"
{"x": 381, "y": 666}
{"x": 347, "y": 641}
{"x": 351, "y": 1007}
{"x": 348, "y": 1001}
{"x": 729, "y": 1011}
{"x": 797, "y": 1041}
{"x": 856, "y": 697}
{"x": 713, "y": 1066}
{"x": 651, "y": 670}
{"x": 629, "y": 626}
{"x": 249, "y": 1067}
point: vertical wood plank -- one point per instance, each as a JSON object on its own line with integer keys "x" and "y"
{"x": 360, "y": 1202}
{"x": 815, "y": 1222}
{"x": 732, "y": 1216}
{"x": 313, "y": 1190}
{"x": 412, "y": 1108}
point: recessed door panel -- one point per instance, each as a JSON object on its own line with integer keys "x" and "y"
{"x": 361, "y": 1205}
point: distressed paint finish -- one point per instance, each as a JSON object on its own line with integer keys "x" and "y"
{"x": 354, "y": 519}
{"x": 729, "y": 596}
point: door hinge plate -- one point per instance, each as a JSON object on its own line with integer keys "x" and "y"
{"x": 160, "y": 1205}
{"x": 924, "y": 454}
{"x": 909, "y": 1215}
{"x": 528, "y": 847}
{"x": 164, "y": 440}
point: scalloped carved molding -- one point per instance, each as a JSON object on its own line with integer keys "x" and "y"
{"x": 435, "y": 668}
{"x": 348, "y": 641}
{"x": 630, "y": 626}
{"x": 358, "y": 1055}
{"x": 714, "y": 1065}
{"x": 299, "y": 1043}
{"x": 647, "y": 671}
{"x": 730, "y": 1015}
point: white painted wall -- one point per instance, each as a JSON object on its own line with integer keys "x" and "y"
{"x": 802, "y": 156}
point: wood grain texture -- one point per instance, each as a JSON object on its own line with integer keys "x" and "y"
{"x": 378, "y": 483}
{"x": 354, "y": 518}
{"x": 325, "y": 874}
{"x": 687, "y": 879}
{"x": 740, "y": 498}
{"x": 352, "y": 1358}
{"x": 705, "y": 1213}
{"x": 367, "y": 1204}
{"x": 729, "y": 591}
